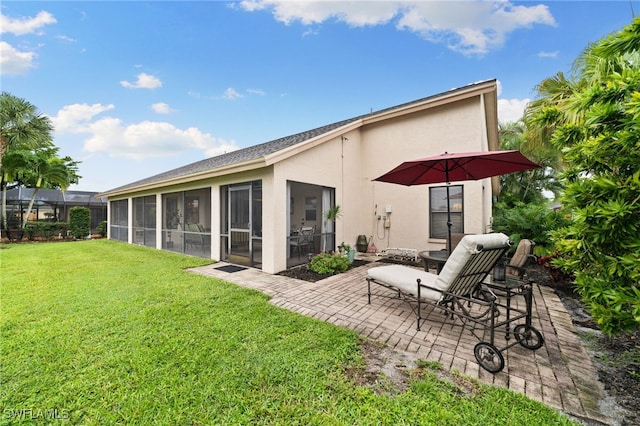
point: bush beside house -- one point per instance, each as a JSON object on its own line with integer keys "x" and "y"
{"x": 80, "y": 222}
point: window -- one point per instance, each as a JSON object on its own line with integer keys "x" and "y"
{"x": 438, "y": 210}
{"x": 144, "y": 220}
{"x": 310, "y": 208}
{"x": 119, "y": 221}
{"x": 186, "y": 222}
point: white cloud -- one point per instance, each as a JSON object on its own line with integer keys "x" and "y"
{"x": 511, "y": 110}
{"x": 548, "y": 54}
{"x": 468, "y": 27}
{"x": 150, "y": 139}
{"x": 138, "y": 141}
{"x": 316, "y": 12}
{"x": 77, "y": 118}
{"x": 144, "y": 81}
{"x": 67, "y": 38}
{"x": 258, "y": 92}
{"x": 471, "y": 28}
{"x": 26, "y": 25}
{"x": 14, "y": 62}
{"x": 231, "y": 94}
{"x": 162, "y": 108}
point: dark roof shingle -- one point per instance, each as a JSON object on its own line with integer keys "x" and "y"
{"x": 263, "y": 149}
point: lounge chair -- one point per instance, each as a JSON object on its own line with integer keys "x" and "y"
{"x": 459, "y": 290}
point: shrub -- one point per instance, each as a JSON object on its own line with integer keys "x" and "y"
{"x": 45, "y": 229}
{"x": 80, "y": 222}
{"x": 329, "y": 263}
{"x": 102, "y": 228}
{"x": 31, "y": 229}
{"x": 51, "y": 229}
{"x": 531, "y": 221}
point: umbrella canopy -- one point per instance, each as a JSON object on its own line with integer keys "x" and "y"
{"x": 455, "y": 167}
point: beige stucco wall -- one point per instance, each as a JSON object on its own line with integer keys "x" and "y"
{"x": 351, "y": 161}
{"x": 348, "y": 161}
{"x": 456, "y": 127}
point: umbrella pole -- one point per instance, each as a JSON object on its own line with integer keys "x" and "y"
{"x": 449, "y": 224}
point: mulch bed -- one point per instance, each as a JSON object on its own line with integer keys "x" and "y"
{"x": 304, "y": 274}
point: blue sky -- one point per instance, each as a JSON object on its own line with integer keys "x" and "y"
{"x": 140, "y": 87}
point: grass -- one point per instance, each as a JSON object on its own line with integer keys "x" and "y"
{"x": 99, "y": 332}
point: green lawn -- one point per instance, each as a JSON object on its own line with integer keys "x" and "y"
{"x": 100, "y": 332}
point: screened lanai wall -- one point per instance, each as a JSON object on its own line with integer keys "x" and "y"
{"x": 178, "y": 221}
{"x": 52, "y": 205}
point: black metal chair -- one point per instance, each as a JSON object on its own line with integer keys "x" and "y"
{"x": 460, "y": 291}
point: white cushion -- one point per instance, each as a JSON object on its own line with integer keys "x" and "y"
{"x": 406, "y": 279}
{"x": 467, "y": 247}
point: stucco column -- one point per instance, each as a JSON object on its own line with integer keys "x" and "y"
{"x": 215, "y": 222}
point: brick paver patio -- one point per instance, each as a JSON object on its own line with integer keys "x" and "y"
{"x": 560, "y": 374}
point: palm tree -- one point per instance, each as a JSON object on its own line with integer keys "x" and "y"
{"x": 50, "y": 171}
{"x": 21, "y": 126}
{"x": 15, "y": 163}
{"x": 552, "y": 108}
{"x": 528, "y": 186}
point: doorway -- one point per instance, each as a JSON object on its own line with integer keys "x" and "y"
{"x": 306, "y": 207}
{"x": 241, "y": 215}
{"x": 240, "y": 224}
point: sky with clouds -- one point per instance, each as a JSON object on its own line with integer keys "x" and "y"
{"x": 136, "y": 88}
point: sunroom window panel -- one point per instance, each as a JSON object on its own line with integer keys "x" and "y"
{"x": 119, "y": 220}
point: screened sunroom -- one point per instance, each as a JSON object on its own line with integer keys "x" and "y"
{"x": 51, "y": 205}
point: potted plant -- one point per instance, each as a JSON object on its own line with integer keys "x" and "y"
{"x": 332, "y": 214}
{"x": 348, "y": 251}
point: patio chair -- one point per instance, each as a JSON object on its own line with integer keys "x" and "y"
{"x": 303, "y": 241}
{"x": 459, "y": 291}
{"x": 517, "y": 265}
{"x": 194, "y": 235}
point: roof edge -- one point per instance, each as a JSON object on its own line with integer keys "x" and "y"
{"x": 453, "y": 95}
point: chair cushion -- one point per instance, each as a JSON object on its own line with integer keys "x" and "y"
{"x": 405, "y": 279}
{"x": 522, "y": 253}
{"x": 467, "y": 247}
{"x": 520, "y": 257}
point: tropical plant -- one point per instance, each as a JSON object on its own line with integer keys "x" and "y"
{"x": 329, "y": 263}
{"x": 528, "y": 186}
{"x": 21, "y": 125}
{"x": 531, "y": 221}
{"x": 102, "y": 228}
{"x": 548, "y": 111}
{"x": 596, "y": 125}
{"x": 22, "y": 128}
{"x": 15, "y": 162}
{"x": 49, "y": 171}
{"x": 330, "y": 215}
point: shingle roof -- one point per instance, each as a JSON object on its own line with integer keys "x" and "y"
{"x": 235, "y": 157}
{"x": 263, "y": 149}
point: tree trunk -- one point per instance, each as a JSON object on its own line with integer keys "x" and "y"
{"x": 33, "y": 198}
{"x": 4, "y": 226}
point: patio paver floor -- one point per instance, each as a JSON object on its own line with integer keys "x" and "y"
{"x": 559, "y": 374}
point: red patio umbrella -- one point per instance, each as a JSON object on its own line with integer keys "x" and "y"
{"x": 455, "y": 167}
